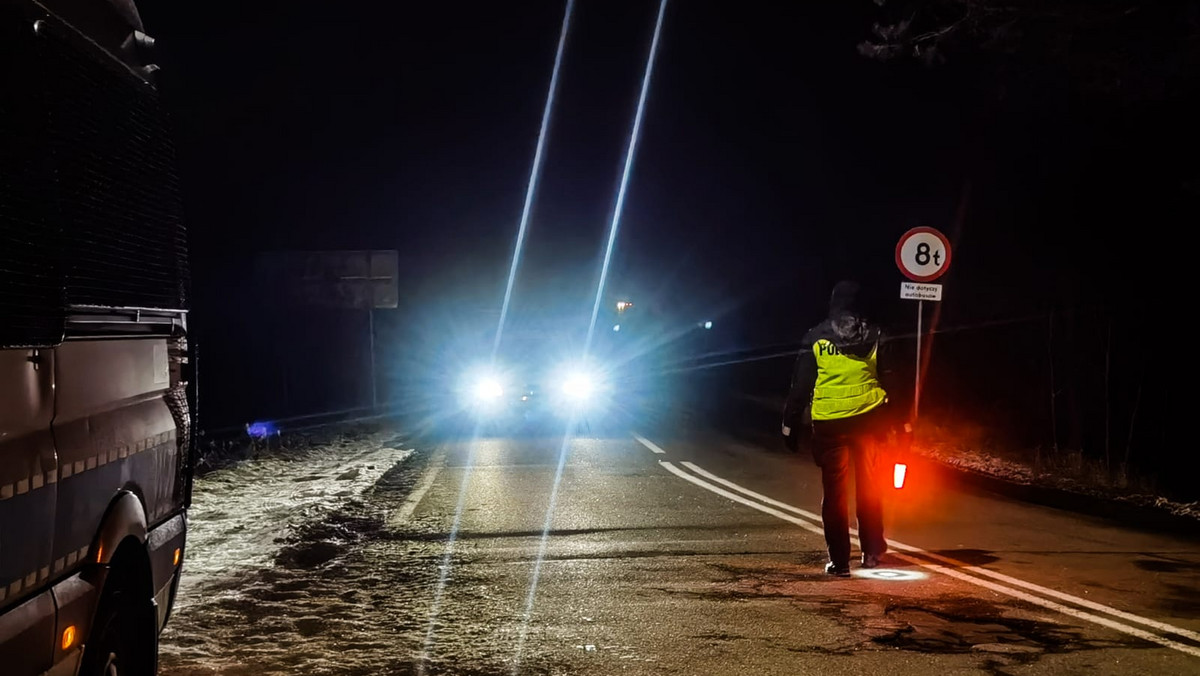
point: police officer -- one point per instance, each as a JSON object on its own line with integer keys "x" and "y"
{"x": 836, "y": 388}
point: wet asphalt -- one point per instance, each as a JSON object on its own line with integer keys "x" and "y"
{"x": 598, "y": 555}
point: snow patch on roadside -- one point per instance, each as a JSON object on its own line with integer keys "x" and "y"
{"x": 982, "y": 463}
{"x": 1185, "y": 509}
{"x": 1018, "y": 472}
{"x": 241, "y": 515}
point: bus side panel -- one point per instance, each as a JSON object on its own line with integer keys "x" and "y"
{"x": 27, "y": 472}
{"x": 27, "y": 636}
{"x": 113, "y": 432}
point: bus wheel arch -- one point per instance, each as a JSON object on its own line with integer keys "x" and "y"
{"x": 123, "y": 639}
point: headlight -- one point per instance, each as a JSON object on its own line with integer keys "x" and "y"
{"x": 579, "y": 386}
{"x": 488, "y": 389}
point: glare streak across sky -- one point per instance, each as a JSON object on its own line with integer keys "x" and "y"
{"x": 444, "y": 573}
{"x": 629, "y": 154}
{"x": 531, "y": 596}
{"x": 534, "y": 173}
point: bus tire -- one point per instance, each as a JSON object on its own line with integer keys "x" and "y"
{"x": 124, "y": 636}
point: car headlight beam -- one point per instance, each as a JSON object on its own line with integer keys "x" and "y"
{"x": 579, "y": 386}
{"x": 488, "y": 389}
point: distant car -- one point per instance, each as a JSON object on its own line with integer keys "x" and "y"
{"x": 527, "y": 395}
{"x": 542, "y": 380}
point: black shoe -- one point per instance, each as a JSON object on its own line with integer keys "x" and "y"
{"x": 832, "y": 568}
{"x": 870, "y": 560}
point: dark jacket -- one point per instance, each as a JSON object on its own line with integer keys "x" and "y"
{"x": 849, "y": 329}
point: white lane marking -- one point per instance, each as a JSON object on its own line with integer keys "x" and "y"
{"x": 757, "y": 496}
{"x": 1051, "y": 605}
{"x": 952, "y": 572}
{"x": 417, "y": 495}
{"x": 955, "y": 563}
{"x": 670, "y": 466}
{"x": 649, "y": 444}
{"x": 1053, "y": 593}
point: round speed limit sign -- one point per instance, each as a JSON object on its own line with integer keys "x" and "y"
{"x": 923, "y": 254}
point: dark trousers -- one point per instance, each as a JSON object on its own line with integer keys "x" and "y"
{"x": 837, "y": 444}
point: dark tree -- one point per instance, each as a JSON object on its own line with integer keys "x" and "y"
{"x": 1131, "y": 50}
{"x": 1077, "y": 120}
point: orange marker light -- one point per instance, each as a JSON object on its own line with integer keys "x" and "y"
{"x": 178, "y": 555}
{"x": 99, "y": 553}
{"x": 68, "y": 637}
{"x": 898, "y": 474}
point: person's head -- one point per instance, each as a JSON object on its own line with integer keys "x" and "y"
{"x": 845, "y": 299}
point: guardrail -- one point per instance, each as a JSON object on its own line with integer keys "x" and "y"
{"x": 296, "y": 423}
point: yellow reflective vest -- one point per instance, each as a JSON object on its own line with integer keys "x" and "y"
{"x": 846, "y": 385}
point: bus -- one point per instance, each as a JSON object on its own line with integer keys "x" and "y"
{"x": 95, "y": 403}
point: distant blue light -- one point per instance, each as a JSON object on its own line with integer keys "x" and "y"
{"x": 616, "y": 327}
{"x": 708, "y": 325}
{"x": 261, "y": 430}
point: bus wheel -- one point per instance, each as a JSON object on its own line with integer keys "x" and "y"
{"x": 123, "y": 638}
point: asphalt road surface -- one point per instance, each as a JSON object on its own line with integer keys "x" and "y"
{"x": 674, "y": 549}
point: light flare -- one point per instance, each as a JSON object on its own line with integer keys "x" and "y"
{"x": 534, "y": 174}
{"x": 535, "y": 578}
{"x": 522, "y": 228}
{"x": 614, "y": 227}
{"x": 634, "y": 135}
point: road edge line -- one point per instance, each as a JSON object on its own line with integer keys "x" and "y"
{"x": 746, "y": 491}
{"x": 410, "y": 503}
{"x": 957, "y": 573}
{"x": 962, "y": 565}
{"x": 1109, "y": 623}
{"x": 806, "y": 525}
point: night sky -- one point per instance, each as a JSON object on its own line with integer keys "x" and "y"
{"x": 774, "y": 160}
{"x": 766, "y": 138}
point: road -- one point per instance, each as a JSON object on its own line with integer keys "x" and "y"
{"x": 674, "y": 549}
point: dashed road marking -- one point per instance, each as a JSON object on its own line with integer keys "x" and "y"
{"x": 1025, "y": 591}
{"x": 649, "y": 444}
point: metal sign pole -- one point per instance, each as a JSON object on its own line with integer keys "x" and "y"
{"x": 922, "y": 255}
{"x": 917, "y": 375}
{"x": 371, "y": 333}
